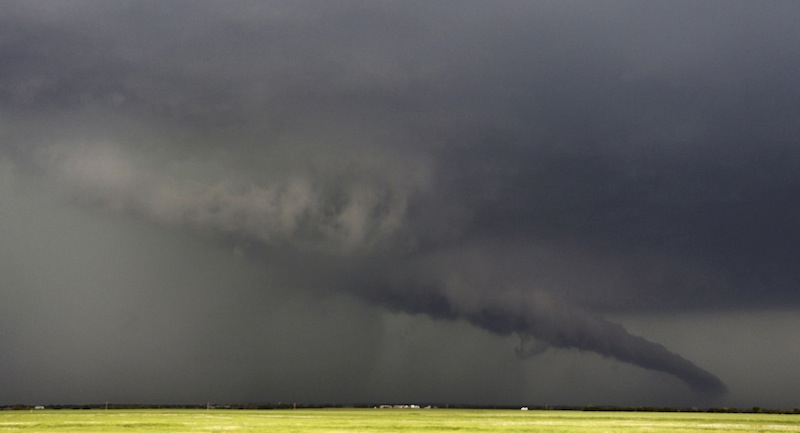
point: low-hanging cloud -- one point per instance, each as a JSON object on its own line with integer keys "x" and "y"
{"x": 359, "y": 220}
{"x": 351, "y": 211}
{"x": 538, "y": 315}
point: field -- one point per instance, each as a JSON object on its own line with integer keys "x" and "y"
{"x": 386, "y": 420}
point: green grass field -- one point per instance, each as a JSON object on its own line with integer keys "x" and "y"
{"x": 386, "y": 420}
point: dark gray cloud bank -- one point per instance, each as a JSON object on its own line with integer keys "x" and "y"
{"x": 515, "y": 202}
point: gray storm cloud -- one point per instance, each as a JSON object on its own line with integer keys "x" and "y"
{"x": 330, "y": 213}
{"x": 364, "y": 222}
{"x": 565, "y": 327}
{"x": 538, "y": 315}
{"x": 534, "y": 169}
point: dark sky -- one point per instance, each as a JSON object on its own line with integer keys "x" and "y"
{"x": 511, "y": 202}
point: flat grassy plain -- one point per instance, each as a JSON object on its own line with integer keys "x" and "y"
{"x": 386, "y": 420}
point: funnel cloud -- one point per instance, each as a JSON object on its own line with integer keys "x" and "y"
{"x": 565, "y": 327}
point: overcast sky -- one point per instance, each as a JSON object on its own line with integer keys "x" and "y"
{"x": 512, "y": 202}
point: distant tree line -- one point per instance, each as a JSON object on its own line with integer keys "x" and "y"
{"x": 280, "y": 405}
{"x": 754, "y": 409}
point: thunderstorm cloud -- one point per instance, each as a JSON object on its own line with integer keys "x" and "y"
{"x": 468, "y": 202}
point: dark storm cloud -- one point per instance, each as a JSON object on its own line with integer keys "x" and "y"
{"x": 525, "y": 168}
{"x": 561, "y": 326}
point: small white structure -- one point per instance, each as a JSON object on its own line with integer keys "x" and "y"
{"x": 524, "y": 408}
